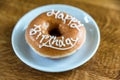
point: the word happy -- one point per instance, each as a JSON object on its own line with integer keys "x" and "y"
{"x": 73, "y": 22}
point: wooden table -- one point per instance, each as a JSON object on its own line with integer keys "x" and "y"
{"x": 105, "y": 65}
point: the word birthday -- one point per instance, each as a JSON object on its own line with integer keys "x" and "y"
{"x": 51, "y": 41}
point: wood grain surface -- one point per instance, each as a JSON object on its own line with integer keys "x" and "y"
{"x": 105, "y": 65}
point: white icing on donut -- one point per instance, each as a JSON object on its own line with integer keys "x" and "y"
{"x": 38, "y": 35}
{"x": 61, "y": 42}
{"x": 73, "y": 23}
{"x": 67, "y": 17}
{"x": 35, "y": 30}
{"x": 60, "y": 16}
{"x": 51, "y": 41}
{"x": 50, "y": 13}
{"x": 45, "y": 25}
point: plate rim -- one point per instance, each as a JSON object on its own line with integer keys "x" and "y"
{"x": 74, "y": 66}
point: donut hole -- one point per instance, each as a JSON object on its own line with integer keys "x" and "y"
{"x": 53, "y": 30}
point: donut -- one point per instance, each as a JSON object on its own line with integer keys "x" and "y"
{"x": 55, "y": 34}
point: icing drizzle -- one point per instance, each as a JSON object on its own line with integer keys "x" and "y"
{"x": 73, "y": 22}
{"x": 51, "y": 41}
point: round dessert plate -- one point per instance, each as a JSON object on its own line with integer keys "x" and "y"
{"x": 29, "y": 57}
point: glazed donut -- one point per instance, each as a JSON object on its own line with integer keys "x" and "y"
{"x": 55, "y": 34}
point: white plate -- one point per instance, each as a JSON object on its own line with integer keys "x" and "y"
{"x": 25, "y": 53}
